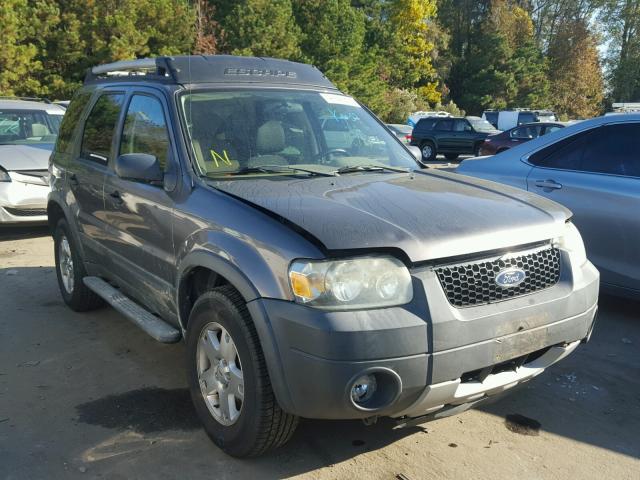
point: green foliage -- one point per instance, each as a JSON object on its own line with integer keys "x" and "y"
{"x": 395, "y": 56}
{"x": 260, "y": 28}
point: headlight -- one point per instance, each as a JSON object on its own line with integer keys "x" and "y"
{"x": 4, "y": 176}
{"x": 366, "y": 282}
{"x": 572, "y": 242}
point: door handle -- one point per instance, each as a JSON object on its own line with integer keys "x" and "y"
{"x": 74, "y": 179}
{"x": 548, "y": 184}
{"x": 117, "y": 198}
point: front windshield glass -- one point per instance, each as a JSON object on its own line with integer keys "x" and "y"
{"x": 480, "y": 125}
{"x": 246, "y": 131}
{"x": 20, "y": 127}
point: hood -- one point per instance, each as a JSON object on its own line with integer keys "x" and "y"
{"x": 25, "y": 157}
{"x": 428, "y": 214}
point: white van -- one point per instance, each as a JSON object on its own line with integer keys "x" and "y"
{"x": 506, "y": 119}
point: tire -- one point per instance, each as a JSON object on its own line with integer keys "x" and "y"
{"x": 253, "y": 422}
{"x": 428, "y": 150}
{"x": 451, "y": 156}
{"x": 70, "y": 272}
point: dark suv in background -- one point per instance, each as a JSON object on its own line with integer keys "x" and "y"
{"x": 453, "y": 136}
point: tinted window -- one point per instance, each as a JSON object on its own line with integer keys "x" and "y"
{"x": 491, "y": 117}
{"x": 145, "y": 129}
{"x": 444, "y": 125}
{"x": 461, "y": 126}
{"x": 565, "y": 154}
{"x": 526, "y": 117}
{"x": 613, "y": 149}
{"x": 71, "y": 119}
{"x": 100, "y": 127}
{"x": 529, "y": 131}
{"x": 551, "y": 128}
{"x": 425, "y": 124}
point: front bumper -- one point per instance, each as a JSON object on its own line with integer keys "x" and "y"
{"x": 437, "y": 355}
{"x": 22, "y": 202}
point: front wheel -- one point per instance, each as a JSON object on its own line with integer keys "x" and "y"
{"x": 228, "y": 378}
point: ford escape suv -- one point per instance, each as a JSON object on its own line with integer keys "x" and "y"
{"x": 203, "y": 199}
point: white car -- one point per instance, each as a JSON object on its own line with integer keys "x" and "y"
{"x": 28, "y": 131}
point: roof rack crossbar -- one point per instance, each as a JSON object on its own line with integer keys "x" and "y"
{"x": 160, "y": 66}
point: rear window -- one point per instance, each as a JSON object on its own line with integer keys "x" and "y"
{"x": 100, "y": 127}
{"x": 426, "y": 123}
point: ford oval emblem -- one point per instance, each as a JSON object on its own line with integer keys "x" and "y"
{"x": 510, "y": 277}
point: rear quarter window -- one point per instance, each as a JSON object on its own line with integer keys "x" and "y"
{"x": 70, "y": 121}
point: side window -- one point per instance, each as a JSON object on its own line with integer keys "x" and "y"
{"x": 461, "y": 126}
{"x": 70, "y": 120}
{"x": 100, "y": 127}
{"x": 444, "y": 125}
{"x": 526, "y": 117}
{"x": 565, "y": 154}
{"x": 425, "y": 124}
{"x": 614, "y": 149}
{"x": 145, "y": 129}
{"x": 551, "y": 128}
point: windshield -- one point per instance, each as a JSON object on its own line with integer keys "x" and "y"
{"x": 20, "y": 127}
{"x": 245, "y": 131}
{"x": 480, "y": 125}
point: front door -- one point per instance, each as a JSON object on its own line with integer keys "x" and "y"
{"x": 597, "y": 176}
{"x": 140, "y": 215}
{"x": 86, "y": 173}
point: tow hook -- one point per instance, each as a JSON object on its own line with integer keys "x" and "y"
{"x": 370, "y": 420}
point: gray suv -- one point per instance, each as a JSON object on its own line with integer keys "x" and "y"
{"x": 202, "y": 198}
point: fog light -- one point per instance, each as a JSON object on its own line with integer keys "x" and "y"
{"x": 363, "y": 388}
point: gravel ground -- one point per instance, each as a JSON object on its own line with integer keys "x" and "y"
{"x": 91, "y": 396}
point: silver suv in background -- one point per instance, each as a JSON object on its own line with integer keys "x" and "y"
{"x": 28, "y": 131}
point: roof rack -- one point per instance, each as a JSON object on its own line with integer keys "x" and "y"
{"x": 25, "y": 99}
{"x": 211, "y": 69}
{"x": 159, "y": 67}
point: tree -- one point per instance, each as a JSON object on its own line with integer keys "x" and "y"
{"x": 622, "y": 20}
{"x": 18, "y": 62}
{"x": 259, "y": 28}
{"x": 577, "y": 87}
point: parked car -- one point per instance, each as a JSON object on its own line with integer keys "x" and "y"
{"x": 403, "y": 132}
{"x": 592, "y": 168}
{"x": 453, "y": 136}
{"x": 199, "y": 197}
{"x": 413, "y": 119}
{"x": 505, "y": 140}
{"x": 507, "y": 119}
{"x": 28, "y": 130}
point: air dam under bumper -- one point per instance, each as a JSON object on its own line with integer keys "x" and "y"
{"x": 314, "y": 356}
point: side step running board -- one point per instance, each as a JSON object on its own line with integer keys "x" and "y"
{"x": 154, "y": 326}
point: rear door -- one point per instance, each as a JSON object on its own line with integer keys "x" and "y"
{"x": 139, "y": 215}
{"x": 596, "y": 174}
{"x": 444, "y": 134}
{"x": 86, "y": 172}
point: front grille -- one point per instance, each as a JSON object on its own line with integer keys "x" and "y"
{"x": 32, "y": 212}
{"x": 472, "y": 284}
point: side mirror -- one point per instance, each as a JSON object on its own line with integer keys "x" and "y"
{"x": 415, "y": 151}
{"x": 140, "y": 167}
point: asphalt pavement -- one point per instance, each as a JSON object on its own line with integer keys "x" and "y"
{"x": 91, "y": 396}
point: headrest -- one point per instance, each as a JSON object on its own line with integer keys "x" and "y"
{"x": 270, "y": 138}
{"x": 39, "y": 130}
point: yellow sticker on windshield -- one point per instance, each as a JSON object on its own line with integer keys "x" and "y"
{"x": 220, "y": 159}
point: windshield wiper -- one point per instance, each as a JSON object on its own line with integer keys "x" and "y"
{"x": 370, "y": 168}
{"x": 280, "y": 169}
